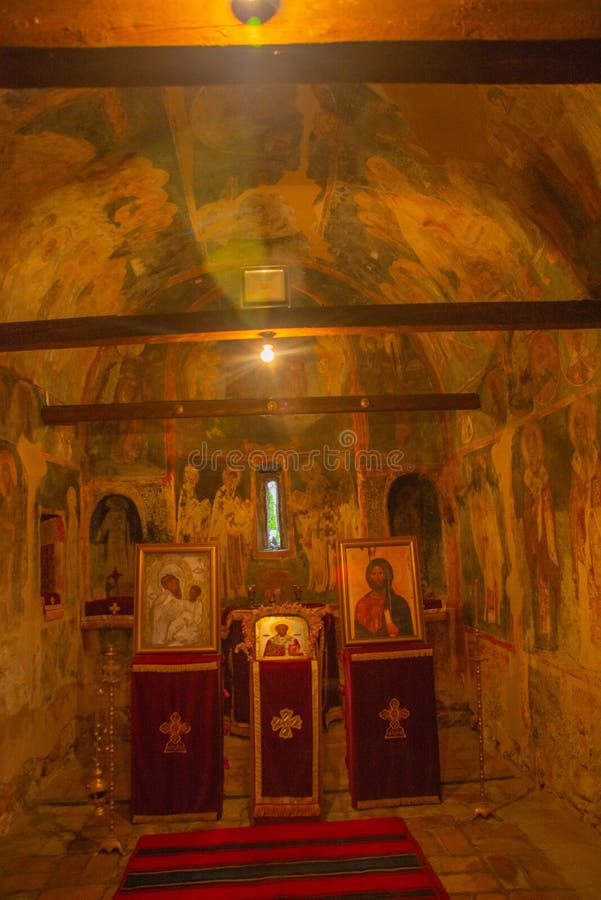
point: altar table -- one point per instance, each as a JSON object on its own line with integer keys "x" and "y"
{"x": 285, "y": 739}
{"x": 177, "y": 737}
{"x": 390, "y": 714}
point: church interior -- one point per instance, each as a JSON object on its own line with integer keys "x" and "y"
{"x": 402, "y": 202}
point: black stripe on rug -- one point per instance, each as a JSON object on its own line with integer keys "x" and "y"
{"x": 254, "y": 845}
{"x": 277, "y": 869}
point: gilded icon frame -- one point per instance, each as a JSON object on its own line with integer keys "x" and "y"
{"x": 364, "y": 619}
{"x": 164, "y": 621}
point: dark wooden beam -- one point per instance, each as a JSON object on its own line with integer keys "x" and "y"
{"x": 302, "y": 321}
{"x": 424, "y": 62}
{"x": 276, "y": 406}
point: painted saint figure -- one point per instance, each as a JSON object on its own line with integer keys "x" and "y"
{"x": 193, "y": 515}
{"x": 282, "y": 643}
{"x": 381, "y": 612}
{"x": 585, "y": 513}
{"x": 176, "y": 620}
{"x": 539, "y": 537}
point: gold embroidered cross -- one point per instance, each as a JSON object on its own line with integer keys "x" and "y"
{"x": 114, "y": 608}
{"x": 285, "y": 722}
{"x": 394, "y": 714}
{"x": 175, "y": 728}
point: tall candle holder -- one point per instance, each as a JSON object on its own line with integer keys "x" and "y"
{"x": 483, "y": 810}
{"x": 111, "y": 675}
{"x": 97, "y": 784}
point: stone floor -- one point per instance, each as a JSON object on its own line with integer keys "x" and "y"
{"x": 529, "y": 846}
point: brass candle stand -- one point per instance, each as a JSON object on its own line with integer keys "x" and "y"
{"x": 110, "y": 676}
{"x": 483, "y": 810}
{"x": 97, "y": 784}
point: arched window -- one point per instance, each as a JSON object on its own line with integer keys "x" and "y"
{"x": 272, "y": 520}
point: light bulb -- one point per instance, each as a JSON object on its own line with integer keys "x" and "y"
{"x": 254, "y": 12}
{"x": 267, "y": 354}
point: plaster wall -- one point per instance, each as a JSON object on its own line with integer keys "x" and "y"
{"x": 532, "y": 603}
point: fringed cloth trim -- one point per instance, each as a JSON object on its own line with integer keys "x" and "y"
{"x": 286, "y": 810}
{"x": 392, "y": 654}
{"x": 176, "y": 817}
{"x": 173, "y": 667}
{"x": 397, "y": 801}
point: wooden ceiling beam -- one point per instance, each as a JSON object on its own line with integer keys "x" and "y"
{"x": 569, "y": 61}
{"x": 302, "y": 321}
{"x": 276, "y": 406}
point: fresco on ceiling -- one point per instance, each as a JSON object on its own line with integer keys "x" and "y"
{"x": 77, "y": 237}
{"x": 248, "y": 138}
{"x": 131, "y": 199}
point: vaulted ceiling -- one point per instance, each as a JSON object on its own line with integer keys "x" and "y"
{"x": 125, "y": 199}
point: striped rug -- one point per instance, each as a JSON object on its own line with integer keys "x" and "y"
{"x": 362, "y": 859}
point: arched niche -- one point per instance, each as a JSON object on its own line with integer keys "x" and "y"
{"x": 414, "y": 509}
{"x": 115, "y": 529}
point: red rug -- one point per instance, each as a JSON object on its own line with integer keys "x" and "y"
{"x": 363, "y": 859}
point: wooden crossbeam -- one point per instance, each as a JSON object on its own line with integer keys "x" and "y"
{"x": 302, "y": 321}
{"x": 554, "y": 61}
{"x": 280, "y": 406}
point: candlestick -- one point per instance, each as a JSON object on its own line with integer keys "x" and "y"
{"x": 482, "y": 810}
{"x": 111, "y": 677}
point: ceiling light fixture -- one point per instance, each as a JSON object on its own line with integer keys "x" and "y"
{"x": 254, "y": 12}
{"x": 267, "y": 353}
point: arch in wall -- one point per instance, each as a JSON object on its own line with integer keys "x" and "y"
{"x": 115, "y": 529}
{"x": 414, "y": 509}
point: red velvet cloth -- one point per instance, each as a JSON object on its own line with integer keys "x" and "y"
{"x": 364, "y": 858}
{"x": 392, "y": 739}
{"x": 177, "y": 736}
{"x": 285, "y": 739}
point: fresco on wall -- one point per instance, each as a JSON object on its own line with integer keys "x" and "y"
{"x": 115, "y": 529}
{"x": 579, "y": 353}
{"x": 544, "y": 367}
{"x": 232, "y": 371}
{"x": 535, "y": 505}
{"x": 12, "y": 534}
{"x": 193, "y": 514}
{"x": 523, "y": 376}
{"x": 484, "y": 558}
{"x": 232, "y": 527}
{"x": 585, "y": 516}
{"x": 128, "y": 447}
{"x": 23, "y": 411}
{"x": 215, "y": 506}
{"x": 324, "y": 511}
{"x": 58, "y": 495}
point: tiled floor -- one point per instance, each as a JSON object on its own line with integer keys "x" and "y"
{"x": 530, "y": 846}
